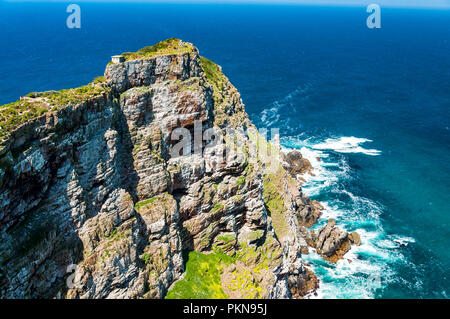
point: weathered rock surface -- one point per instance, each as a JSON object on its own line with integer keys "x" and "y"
{"x": 332, "y": 242}
{"x": 93, "y": 204}
{"x": 295, "y": 163}
{"x": 309, "y": 213}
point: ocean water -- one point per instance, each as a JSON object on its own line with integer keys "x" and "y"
{"x": 374, "y": 105}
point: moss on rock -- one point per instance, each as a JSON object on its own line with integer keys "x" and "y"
{"x": 245, "y": 272}
{"x": 202, "y": 279}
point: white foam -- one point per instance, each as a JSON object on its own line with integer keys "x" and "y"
{"x": 347, "y": 144}
{"x": 403, "y": 240}
{"x": 270, "y": 116}
{"x": 365, "y": 268}
{"x": 344, "y": 280}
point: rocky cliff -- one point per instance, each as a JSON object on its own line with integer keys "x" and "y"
{"x": 95, "y": 203}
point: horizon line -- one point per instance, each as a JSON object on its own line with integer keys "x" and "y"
{"x": 420, "y": 4}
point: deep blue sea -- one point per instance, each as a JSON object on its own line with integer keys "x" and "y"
{"x": 374, "y": 104}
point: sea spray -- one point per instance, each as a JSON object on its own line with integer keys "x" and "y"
{"x": 366, "y": 269}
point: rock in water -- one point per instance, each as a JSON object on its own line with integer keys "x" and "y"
{"x": 332, "y": 242}
{"x": 295, "y": 163}
{"x": 355, "y": 238}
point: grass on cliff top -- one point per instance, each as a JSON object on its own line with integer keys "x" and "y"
{"x": 218, "y": 81}
{"x": 224, "y": 94}
{"x": 166, "y": 47}
{"x": 35, "y": 104}
{"x": 213, "y": 73}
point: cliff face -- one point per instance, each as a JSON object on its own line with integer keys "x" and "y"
{"x": 94, "y": 204}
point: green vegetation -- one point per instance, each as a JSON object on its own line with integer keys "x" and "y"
{"x": 202, "y": 279}
{"x": 75, "y": 96}
{"x": 112, "y": 234}
{"x": 36, "y": 104}
{"x": 224, "y": 95}
{"x": 192, "y": 84}
{"x": 225, "y": 243}
{"x": 217, "y": 207}
{"x": 41, "y": 94}
{"x": 146, "y": 258}
{"x": 218, "y": 81}
{"x": 158, "y": 157}
{"x": 99, "y": 79}
{"x": 244, "y": 283}
{"x": 167, "y": 47}
{"x": 255, "y": 235}
{"x": 136, "y": 147}
{"x": 144, "y": 202}
{"x": 273, "y": 182}
{"x": 273, "y": 198}
{"x": 227, "y": 238}
{"x": 14, "y": 114}
{"x": 260, "y": 258}
{"x": 241, "y": 180}
{"x": 136, "y": 90}
{"x": 214, "y": 74}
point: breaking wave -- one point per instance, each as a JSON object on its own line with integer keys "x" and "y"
{"x": 366, "y": 269}
{"x": 347, "y": 145}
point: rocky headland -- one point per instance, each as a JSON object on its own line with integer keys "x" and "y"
{"x": 94, "y": 203}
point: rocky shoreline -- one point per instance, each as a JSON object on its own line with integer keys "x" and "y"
{"x": 92, "y": 185}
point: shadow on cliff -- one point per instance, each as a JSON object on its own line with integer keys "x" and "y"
{"x": 129, "y": 176}
{"x": 40, "y": 238}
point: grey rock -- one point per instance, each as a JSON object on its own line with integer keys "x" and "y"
{"x": 71, "y": 196}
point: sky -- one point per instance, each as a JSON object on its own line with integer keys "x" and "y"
{"x": 445, "y": 4}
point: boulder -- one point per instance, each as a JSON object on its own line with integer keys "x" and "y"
{"x": 295, "y": 163}
{"x": 355, "y": 238}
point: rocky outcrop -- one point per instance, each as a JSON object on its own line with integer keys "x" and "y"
{"x": 332, "y": 242}
{"x": 295, "y": 163}
{"x": 95, "y": 202}
{"x": 355, "y": 238}
{"x": 308, "y": 214}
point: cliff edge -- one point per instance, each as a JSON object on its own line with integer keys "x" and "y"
{"x": 97, "y": 201}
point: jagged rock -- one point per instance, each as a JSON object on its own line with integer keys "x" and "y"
{"x": 355, "y": 238}
{"x": 295, "y": 163}
{"x": 330, "y": 238}
{"x": 332, "y": 242}
{"x": 307, "y": 284}
{"x": 91, "y": 194}
{"x": 308, "y": 214}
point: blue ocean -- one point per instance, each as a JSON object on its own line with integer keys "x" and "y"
{"x": 372, "y": 104}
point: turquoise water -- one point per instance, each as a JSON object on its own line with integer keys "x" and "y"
{"x": 373, "y": 104}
